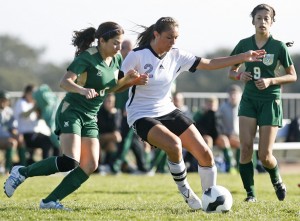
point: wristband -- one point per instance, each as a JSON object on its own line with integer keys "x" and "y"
{"x": 238, "y": 76}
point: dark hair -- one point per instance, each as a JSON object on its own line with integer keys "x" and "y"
{"x": 83, "y": 39}
{"x": 272, "y": 11}
{"x": 4, "y": 94}
{"x": 163, "y": 24}
{"x": 28, "y": 89}
{"x": 263, "y": 7}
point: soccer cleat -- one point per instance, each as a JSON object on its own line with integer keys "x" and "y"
{"x": 280, "y": 190}
{"x": 13, "y": 181}
{"x": 250, "y": 199}
{"x": 53, "y": 205}
{"x": 192, "y": 199}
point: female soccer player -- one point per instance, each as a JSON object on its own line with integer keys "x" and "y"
{"x": 261, "y": 100}
{"x": 92, "y": 74}
{"x": 151, "y": 111}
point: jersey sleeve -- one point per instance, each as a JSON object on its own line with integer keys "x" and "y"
{"x": 188, "y": 61}
{"x": 237, "y": 49}
{"x": 284, "y": 57}
{"x": 129, "y": 62}
{"x": 79, "y": 64}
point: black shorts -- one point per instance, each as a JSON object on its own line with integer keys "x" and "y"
{"x": 175, "y": 121}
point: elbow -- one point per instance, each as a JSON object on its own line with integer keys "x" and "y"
{"x": 295, "y": 78}
{"x": 62, "y": 84}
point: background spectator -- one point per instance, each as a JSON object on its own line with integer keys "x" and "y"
{"x": 47, "y": 102}
{"x": 209, "y": 126}
{"x": 33, "y": 131}
{"x": 178, "y": 100}
{"x": 109, "y": 124}
{"x": 8, "y": 133}
{"x": 229, "y": 121}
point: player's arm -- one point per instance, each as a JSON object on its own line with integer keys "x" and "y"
{"x": 289, "y": 77}
{"x": 222, "y": 62}
{"x": 234, "y": 72}
{"x": 129, "y": 66}
{"x": 236, "y": 75}
{"x": 132, "y": 77}
{"x": 67, "y": 83}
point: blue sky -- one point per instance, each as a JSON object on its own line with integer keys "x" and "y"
{"x": 204, "y": 25}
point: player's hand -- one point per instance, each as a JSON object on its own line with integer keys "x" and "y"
{"x": 262, "y": 83}
{"x": 257, "y": 55}
{"x": 245, "y": 76}
{"x": 134, "y": 78}
{"x": 142, "y": 80}
{"x": 89, "y": 93}
{"x": 131, "y": 76}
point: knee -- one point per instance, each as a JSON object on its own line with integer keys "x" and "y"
{"x": 89, "y": 167}
{"x": 174, "y": 149}
{"x": 265, "y": 158}
{"x": 92, "y": 167}
{"x": 222, "y": 141}
{"x": 176, "y": 146}
{"x": 65, "y": 163}
{"x": 246, "y": 153}
{"x": 208, "y": 139}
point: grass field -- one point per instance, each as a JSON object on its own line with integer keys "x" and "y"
{"x": 129, "y": 197}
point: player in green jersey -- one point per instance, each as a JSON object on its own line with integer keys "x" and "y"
{"x": 93, "y": 73}
{"x": 261, "y": 101}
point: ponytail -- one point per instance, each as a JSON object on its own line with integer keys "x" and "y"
{"x": 83, "y": 39}
{"x": 146, "y": 36}
{"x": 161, "y": 25}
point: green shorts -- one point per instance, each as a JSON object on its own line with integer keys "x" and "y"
{"x": 265, "y": 112}
{"x": 71, "y": 120}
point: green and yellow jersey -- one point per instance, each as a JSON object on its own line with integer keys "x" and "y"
{"x": 93, "y": 72}
{"x": 277, "y": 55}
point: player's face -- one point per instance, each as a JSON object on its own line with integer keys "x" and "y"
{"x": 262, "y": 21}
{"x": 3, "y": 103}
{"x": 234, "y": 98}
{"x": 166, "y": 40}
{"x": 112, "y": 46}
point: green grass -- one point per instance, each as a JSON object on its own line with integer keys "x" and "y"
{"x": 128, "y": 197}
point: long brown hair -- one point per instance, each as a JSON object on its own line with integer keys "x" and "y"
{"x": 163, "y": 24}
{"x": 83, "y": 39}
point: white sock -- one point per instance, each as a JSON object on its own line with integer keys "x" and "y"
{"x": 208, "y": 176}
{"x": 178, "y": 171}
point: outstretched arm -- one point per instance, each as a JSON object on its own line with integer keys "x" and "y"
{"x": 131, "y": 78}
{"x": 222, "y": 62}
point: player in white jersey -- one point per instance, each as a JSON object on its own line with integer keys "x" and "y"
{"x": 151, "y": 111}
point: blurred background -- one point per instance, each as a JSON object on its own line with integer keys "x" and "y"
{"x": 35, "y": 36}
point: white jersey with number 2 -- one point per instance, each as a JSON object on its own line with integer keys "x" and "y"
{"x": 155, "y": 99}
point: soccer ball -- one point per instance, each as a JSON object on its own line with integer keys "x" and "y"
{"x": 217, "y": 199}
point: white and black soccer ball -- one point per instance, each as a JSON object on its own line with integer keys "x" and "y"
{"x": 217, "y": 199}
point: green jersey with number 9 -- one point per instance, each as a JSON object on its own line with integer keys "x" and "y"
{"x": 93, "y": 72}
{"x": 277, "y": 56}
